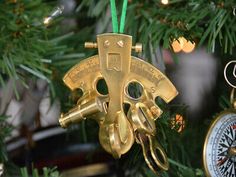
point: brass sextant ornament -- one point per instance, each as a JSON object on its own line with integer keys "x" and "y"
{"x": 117, "y": 130}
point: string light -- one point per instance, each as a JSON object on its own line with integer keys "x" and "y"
{"x": 46, "y": 21}
{"x": 177, "y": 45}
{"x": 165, "y": 2}
{"x": 188, "y": 47}
{"x": 55, "y": 13}
{"x": 183, "y": 45}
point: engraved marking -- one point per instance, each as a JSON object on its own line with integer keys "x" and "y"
{"x": 151, "y": 70}
{"x": 83, "y": 71}
{"x": 114, "y": 62}
{"x": 147, "y": 72}
{"x": 90, "y": 63}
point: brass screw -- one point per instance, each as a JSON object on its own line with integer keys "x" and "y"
{"x": 106, "y": 43}
{"x": 120, "y": 43}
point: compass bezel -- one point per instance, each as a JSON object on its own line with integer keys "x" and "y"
{"x": 210, "y": 130}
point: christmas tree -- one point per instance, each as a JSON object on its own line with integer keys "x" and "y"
{"x": 41, "y": 40}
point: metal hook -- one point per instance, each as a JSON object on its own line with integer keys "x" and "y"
{"x": 234, "y": 73}
{"x": 232, "y": 99}
{"x": 150, "y": 147}
{"x": 234, "y": 10}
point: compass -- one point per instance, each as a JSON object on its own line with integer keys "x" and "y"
{"x": 220, "y": 146}
{"x": 219, "y": 154}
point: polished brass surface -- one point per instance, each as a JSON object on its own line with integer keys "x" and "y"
{"x": 80, "y": 112}
{"x": 115, "y": 59}
{"x": 118, "y": 68}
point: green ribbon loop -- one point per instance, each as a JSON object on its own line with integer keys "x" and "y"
{"x": 114, "y": 16}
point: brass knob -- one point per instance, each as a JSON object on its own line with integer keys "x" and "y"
{"x": 91, "y": 45}
{"x": 232, "y": 151}
{"x": 138, "y": 48}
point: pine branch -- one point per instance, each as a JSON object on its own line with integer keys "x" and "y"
{"x": 28, "y": 48}
{"x": 47, "y": 172}
{"x": 5, "y": 131}
{"x": 209, "y": 22}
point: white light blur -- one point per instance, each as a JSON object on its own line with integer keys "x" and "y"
{"x": 165, "y": 2}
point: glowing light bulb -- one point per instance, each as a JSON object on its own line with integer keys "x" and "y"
{"x": 46, "y": 20}
{"x": 165, "y": 2}
{"x": 55, "y": 13}
{"x": 177, "y": 45}
{"x": 182, "y": 45}
{"x": 188, "y": 47}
